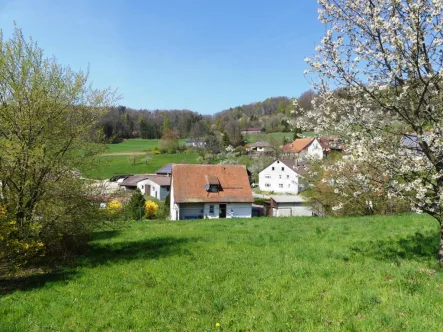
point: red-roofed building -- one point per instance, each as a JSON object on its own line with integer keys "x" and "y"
{"x": 210, "y": 191}
{"x": 308, "y": 147}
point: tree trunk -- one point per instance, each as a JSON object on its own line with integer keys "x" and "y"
{"x": 440, "y": 251}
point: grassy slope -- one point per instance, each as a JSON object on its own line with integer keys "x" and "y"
{"x": 116, "y": 165}
{"x": 136, "y": 145}
{"x": 263, "y": 274}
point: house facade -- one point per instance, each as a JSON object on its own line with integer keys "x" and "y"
{"x": 304, "y": 147}
{"x": 282, "y": 176}
{"x": 157, "y": 186}
{"x": 210, "y": 192}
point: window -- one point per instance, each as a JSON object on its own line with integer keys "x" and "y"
{"x": 280, "y": 185}
{"x": 267, "y": 176}
{"x": 211, "y": 209}
{"x": 282, "y": 169}
{"x": 287, "y": 176}
{"x": 213, "y": 188}
{"x": 289, "y": 185}
{"x": 268, "y": 185}
{"x": 273, "y": 168}
{"x": 279, "y": 177}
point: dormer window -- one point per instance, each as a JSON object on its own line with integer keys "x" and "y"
{"x": 212, "y": 184}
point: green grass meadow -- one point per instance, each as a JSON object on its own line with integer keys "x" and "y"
{"x": 263, "y": 274}
{"x": 136, "y": 145}
{"x": 121, "y": 164}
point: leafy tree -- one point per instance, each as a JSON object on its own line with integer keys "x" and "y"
{"x": 386, "y": 57}
{"x": 212, "y": 143}
{"x": 166, "y": 127}
{"x": 135, "y": 207}
{"x": 48, "y": 117}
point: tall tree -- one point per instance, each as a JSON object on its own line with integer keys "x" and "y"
{"x": 387, "y": 55}
{"x": 48, "y": 113}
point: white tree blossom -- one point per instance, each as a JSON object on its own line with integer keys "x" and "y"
{"x": 378, "y": 74}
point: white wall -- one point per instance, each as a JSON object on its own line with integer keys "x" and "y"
{"x": 156, "y": 190}
{"x": 239, "y": 210}
{"x": 292, "y": 211}
{"x": 315, "y": 150}
{"x": 270, "y": 180}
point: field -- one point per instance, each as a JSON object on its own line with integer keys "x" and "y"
{"x": 136, "y": 145}
{"x": 120, "y": 164}
{"x": 307, "y": 274}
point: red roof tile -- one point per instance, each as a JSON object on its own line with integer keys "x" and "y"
{"x": 189, "y": 184}
{"x": 298, "y": 145}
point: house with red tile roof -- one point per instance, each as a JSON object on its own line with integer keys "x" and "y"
{"x": 304, "y": 147}
{"x": 210, "y": 191}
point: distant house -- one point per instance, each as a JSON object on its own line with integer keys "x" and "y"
{"x": 196, "y": 143}
{"x": 210, "y": 191}
{"x": 282, "y": 176}
{"x": 304, "y": 147}
{"x": 287, "y": 206}
{"x": 331, "y": 143}
{"x": 259, "y": 148}
{"x": 253, "y": 131}
{"x": 157, "y": 186}
{"x": 154, "y": 185}
{"x": 130, "y": 182}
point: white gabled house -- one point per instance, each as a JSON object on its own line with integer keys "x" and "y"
{"x": 305, "y": 147}
{"x": 210, "y": 192}
{"x": 157, "y": 186}
{"x": 282, "y": 176}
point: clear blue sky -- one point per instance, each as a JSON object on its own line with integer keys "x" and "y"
{"x": 201, "y": 55}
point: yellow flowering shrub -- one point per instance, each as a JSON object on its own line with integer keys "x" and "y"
{"x": 151, "y": 209}
{"x": 114, "y": 207}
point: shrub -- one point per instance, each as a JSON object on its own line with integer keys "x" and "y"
{"x": 151, "y": 209}
{"x": 114, "y": 208}
{"x": 134, "y": 208}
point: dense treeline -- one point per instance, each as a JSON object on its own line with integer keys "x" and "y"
{"x": 124, "y": 122}
{"x": 274, "y": 114}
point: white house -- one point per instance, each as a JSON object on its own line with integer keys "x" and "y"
{"x": 282, "y": 176}
{"x": 210, "y": 191}
{"x": 305, "y": 147}
{"x": 157, "y": 186}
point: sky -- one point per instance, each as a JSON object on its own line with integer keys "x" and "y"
{"x": 201, "y": 55}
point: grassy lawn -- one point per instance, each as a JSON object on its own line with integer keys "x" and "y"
{"x": 307, "y": 274}
{"x": 120, "y": 164}
{"x": 136, "y": 145}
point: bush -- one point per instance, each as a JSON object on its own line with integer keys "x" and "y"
{"x": 135, "y": 208}
{"x": 151, "y": 209}
{"x": 114, "y": 209}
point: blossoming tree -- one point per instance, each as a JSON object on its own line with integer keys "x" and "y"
{"x": 386, "y": 57}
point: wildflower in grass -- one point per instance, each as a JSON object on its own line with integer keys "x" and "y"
{"x": 217, "y": 324}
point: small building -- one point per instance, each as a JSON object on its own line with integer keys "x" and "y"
{"x": 253, "y": 131}
{"x": 196, "y": 143}
{"x": 331, "y": 143}
{"x": 287, "y": 206}
{"x": 210, "y": 191}
{"x": 130, "y": 182}
{"x": 157, "y": 186}
{"x": 282, "y": 176}
{"x": 304, "y": 147}
{"x": 154, "y": 185}
{"x": 259, "y": 148}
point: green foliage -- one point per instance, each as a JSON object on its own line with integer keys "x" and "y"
{"x": 261, "y": 274}
{"x": 134, "y": 210}
{"x": 48, "y": 121}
